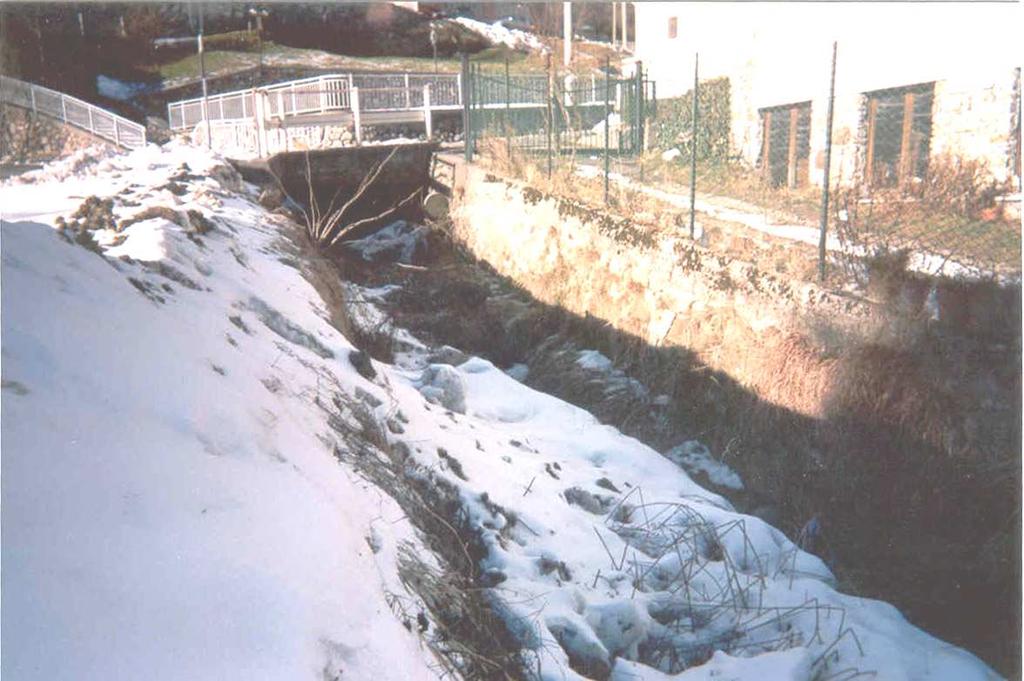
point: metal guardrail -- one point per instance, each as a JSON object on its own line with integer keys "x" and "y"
{"x": 322, "y": 94}
{"x": 72, "y": 111}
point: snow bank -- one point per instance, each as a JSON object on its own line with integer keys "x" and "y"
{"x": 170, "y": 510}
{"x": 500, "y": 35}
{"x": 173, "y": 507}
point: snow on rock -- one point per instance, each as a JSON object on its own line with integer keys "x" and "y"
{"x": 671, "y": 155}
{"x": 443, "y": 385}
{"x": 696, "y": 458}
{"x": 400, "y": 241}
{"x": 501, "y": 35}
{"x": 173, "y": 503}
{"x": 613, "y": 121}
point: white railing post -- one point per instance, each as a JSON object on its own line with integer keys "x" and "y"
{"x": 117, "y": 133}
{"x": 427, "y": 122}
{"x": 92, "y": 128}
{"x": 408, "y": 98}
{"x": 356, "y": 121}
{"x": 257, "y": 119}
{"x": 63, "y": 109}
{"x": 295, "y": 107}
{"x": 458, "y": 89}
{"x": 280, "y": 104}
{"x": 32, "y": 94}
{"x": 322, "y": 87}
{"x": 220, "y": 104}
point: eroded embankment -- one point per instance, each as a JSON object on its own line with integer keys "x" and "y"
{"x": 897, "y": 431}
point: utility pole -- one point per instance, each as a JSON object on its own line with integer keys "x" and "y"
{"x": 202, "y": 75}
{"x": 615, "y": 25}
{"x": 259, "y": 13}
{"x": 566, "y": 33}
{"x": 625, "y": 26}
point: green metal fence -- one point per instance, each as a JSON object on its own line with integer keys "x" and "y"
{"x": 550, "y": 115}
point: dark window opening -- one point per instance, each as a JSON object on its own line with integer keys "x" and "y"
{"x": 673, "y": 27}
{"x": 899, "y": 130}
{"x": 786, "y": 144}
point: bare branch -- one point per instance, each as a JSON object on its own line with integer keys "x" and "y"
{"x": 348, "y": 228}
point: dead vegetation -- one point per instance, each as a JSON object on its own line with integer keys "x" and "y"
{"x": 450, "y": 610}
{"x": 954, "y": 211}
{"x": 327, "y": 225}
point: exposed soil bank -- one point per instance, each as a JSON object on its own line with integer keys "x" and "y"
{"x": 908, "y": 519}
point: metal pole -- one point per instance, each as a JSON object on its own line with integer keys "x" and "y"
{"x": 607, "y": 122}
{"x": 693, "y": 145}
{"x": 550, "y": 121}
{"x": 508, "y": 111}
{"x": 202, "y": 72}
{"x": 259, "y": 40}
{"x": 828, "y": 163}
{"x": 467, "y": 128}
{"x": 638, "y": 109}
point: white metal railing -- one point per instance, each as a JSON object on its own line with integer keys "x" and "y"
{"x": 321, "y": 94}
{"x": 72, "y": 111}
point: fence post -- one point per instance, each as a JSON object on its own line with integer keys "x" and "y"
{"x": 259, "y": 109}
{"x": 426, "y": 112}
{"x": 693, "y": 144}
{"x": 828, "y": 163}
{"x": 550, "y": 119}
{"x": 607, "y": 121}
{"x": 92, "y": 127}
{"x": 508, "y": 111}
{"x": 408, "y": 99}
{"x": 32, "y": 94}
{"x": 64, "y": 109}
{"x": 356, "y": 118}
{"x": 467, "y": 124}
{"x": 321, "y": 86}
{"x": 117, "y": 133}
{"x": 639, "y": 90}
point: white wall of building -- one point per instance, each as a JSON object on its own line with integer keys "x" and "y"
{"x": 779, "y": 53}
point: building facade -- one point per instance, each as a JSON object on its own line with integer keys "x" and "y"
{"x": 914, "y": 82}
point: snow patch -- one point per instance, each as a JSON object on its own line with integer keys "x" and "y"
{"x": 696, "y": 458}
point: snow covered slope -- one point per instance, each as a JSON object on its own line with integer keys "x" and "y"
{"x": 173, "y": 505}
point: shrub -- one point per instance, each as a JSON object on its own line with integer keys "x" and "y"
{"x": 673, "y": 122}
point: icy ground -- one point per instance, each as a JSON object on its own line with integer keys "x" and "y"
{"x": 177, "y": 503}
